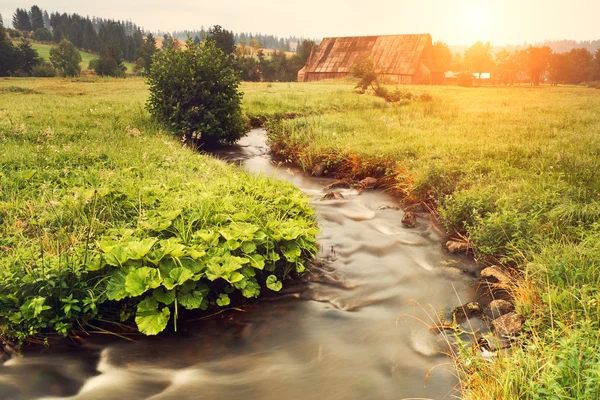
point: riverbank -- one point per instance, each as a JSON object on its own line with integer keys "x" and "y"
{"x": 514, "y": 172}
{"x": 107, "y": 220}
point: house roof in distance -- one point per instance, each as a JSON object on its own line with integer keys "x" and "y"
{"x": 392, "y": 54}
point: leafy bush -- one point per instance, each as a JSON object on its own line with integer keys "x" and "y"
{"x": 43, "y": 70}
{"x": 195, "y": 92}
{"x": 365, "y": 71}
{"x": 13, "y": 33}
{"x": 66, "y": 58}
{"x": 465, "y": 79}
{"x": 42, "y": 35}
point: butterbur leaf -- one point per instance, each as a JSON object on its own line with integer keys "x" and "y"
{"x": 177, "y": 276}
{"x": 173, "y": 247}
{"x": 156, "y": 224}
{"x": 95, "y": 263}
{"x": 274, "y": 284}
{"x": 164, "y": 296}
{"x": 138, "y": 249}
{"x": 235, "y": 277}
{"x": 257, "y": 261}
{"x": 248, "y": 247}
{"x": 190, "y": 300}
{"x": 291, "y": 251}
{"x": 155, "y": 255}
{"x": 115, "y": 288}
{"x": 252, "y": 289}
{"x": 142, "y": 279}
{"x": 193, "y": 265}
{"x": 291, "y": 232}
{"x": 118, "y": 255}
{"x": 233, "y": 244}
{"x": 149, "y": 319}
{"x": 223, "y": 300}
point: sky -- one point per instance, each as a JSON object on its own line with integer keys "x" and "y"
{"x": 456, "y": 22}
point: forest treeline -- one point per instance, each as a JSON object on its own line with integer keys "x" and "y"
{"x": 535, "y": 64}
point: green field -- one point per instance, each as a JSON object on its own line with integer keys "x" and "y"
{"x": 105, "y": 217}
{"x": 513, "y": 171}
{"x": 44, "y": 52}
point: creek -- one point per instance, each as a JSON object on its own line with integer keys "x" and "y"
{"x": 355, "y": 327}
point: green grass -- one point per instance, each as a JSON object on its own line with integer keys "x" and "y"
{"x": 103, "y": 216}
{"x": 44, "y": 52}
{"x": 516, "y": 171}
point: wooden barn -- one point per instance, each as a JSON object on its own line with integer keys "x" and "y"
{"x": 402, "y": 59}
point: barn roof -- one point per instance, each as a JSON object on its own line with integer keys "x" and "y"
{"x": 393, "y": 54}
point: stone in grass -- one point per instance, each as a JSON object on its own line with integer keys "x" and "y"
{"x": 496, "y": 274}
{"x": 409, "y": 219}
{"x": 367, "y": 183}
{"x": 333, "y": 196}
{"x": 456, "y": 247}
{"x": 338, "y": 185}
{"x": 498, "y": 308}
{"x": 466, "y": 311}
{"x": 508, "y": 325}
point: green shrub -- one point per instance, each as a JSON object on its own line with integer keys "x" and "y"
{"x": 44, "y": 70}
{"x": 195, "y": 92}
{"x": 66, "y": 58}
{"x": 465, "y": 79}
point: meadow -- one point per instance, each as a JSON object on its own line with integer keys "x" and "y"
{"x": 105, "y": 219}
{"x": 514, "y": 171}
{"x": 43, "y": 51}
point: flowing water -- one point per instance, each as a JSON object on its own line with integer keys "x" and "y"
{"x": 351, "y": 330}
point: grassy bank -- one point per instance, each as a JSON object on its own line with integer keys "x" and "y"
{"x": 515, "y": 171}
{"x": 104, "y": 218}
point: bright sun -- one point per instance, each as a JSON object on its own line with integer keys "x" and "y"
{"x": 477, "y": 23}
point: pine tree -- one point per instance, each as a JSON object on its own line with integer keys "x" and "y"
{"x": 37, "y": 18}
{"x": 21, "y": 20}
{"x": 1, "y": 21}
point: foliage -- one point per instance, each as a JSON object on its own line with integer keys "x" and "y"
{"x": 442, "y": 56}
{"x": 121, "y": 223}
{"x": 43, "y": 70}
{"x": 42, "y": 35}
{"x": 145, "y": 53}
{"x": 21, "y": 20}
{"x": 110, "y": 62}
{"x": 66, "y": 58}
{"x": 365, "y": 71}
{"x": 464, "y": 79}
{"x": 223, "y": 39}
{"x": 36, "y": 18}
{"x": 478, "y": 58}
{"x": 25, "y": 57}
{"x": 194, "y": 91}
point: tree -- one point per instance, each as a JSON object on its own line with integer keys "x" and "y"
{"x": 195, "y": 92}
{"x": 110, "y": 62}
{"x": 37, "y": 18}
{"x": 442, "y": 56}
{"x": 42, "y": 35}
{"x": 21, "y": 20}
{"x": 458, "y": 64}
{"x": 478, "y": 58}
{"x": 537, "y": 62}
{"x": 1, "y": 21}
{"x": 145, "y": 53}
{"x": 558, "y": 67}
{"x": 27, "y": 57}
{"x": 580, "y": 65}
{"x": 65, "y": 58}
{"x": 596, "y": 65}
{"x": 223, "y": 39}
{"x": 365, "y": 71}
{"x": 7, "y": 54}
{"x": 505, "y": 67}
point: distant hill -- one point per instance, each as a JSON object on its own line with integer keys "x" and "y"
{"x": 557, "y": 46}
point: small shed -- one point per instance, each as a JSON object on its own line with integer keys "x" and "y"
{"x": 402, "y": 59}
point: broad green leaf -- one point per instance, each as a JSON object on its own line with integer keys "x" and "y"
{"x": 257, "y": 261}
{"x": 291, "y": 251}
{"x": 117, "y": 256}
{"x": 235, "y": 277}
{"x": 239, "y": 231}
{"x": 291, "y": 232}
{"x": 248, "y": 272}
{"x": 164, "y": 296}
{"x": 233, "y": 244}
{"x": 177, "y": 276}
{"x": 155, "y": 255}
{"x": 300, "y": 268}
{"x": 142, "y": 279}
{"x": 139, "y": 248}
{"x": 274, "y": 284}
{"x": 115, "y": 288}
{"x": 95, "y": 263}
{"x": 107, "y": 245}
{"x": 252, "y": 289}
{"x": 173, "y": 247}
{"x": 223, "y": 300}
{"x": 248, "y": 247}
{"x": 149, "y": 319}
{"x": 156, "y": 224}
{"x": 193, "y": 265}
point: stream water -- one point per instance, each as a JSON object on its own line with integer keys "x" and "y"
{"x": 351, "y": 330}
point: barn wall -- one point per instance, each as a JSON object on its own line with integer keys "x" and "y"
{"x": 388, "y": 78}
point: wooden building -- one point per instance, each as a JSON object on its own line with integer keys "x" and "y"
{"x": 402, "y": 59}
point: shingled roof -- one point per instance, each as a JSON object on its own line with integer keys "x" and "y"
{"x": 393, "y": 54}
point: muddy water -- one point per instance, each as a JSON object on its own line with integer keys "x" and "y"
{"x": 335, "y": 336}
